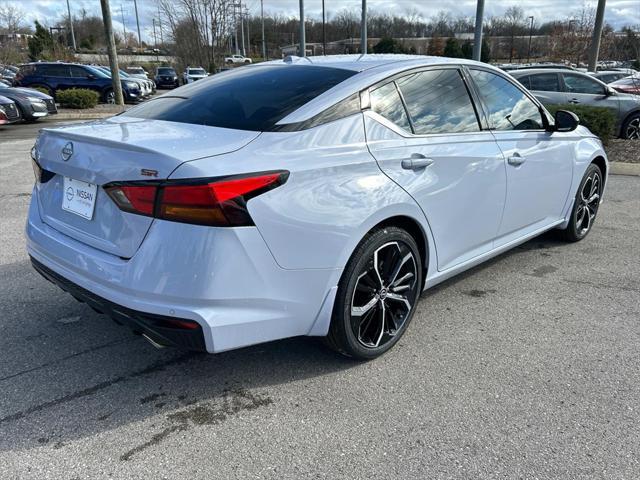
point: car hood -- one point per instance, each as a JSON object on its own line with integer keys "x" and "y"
{"x": 25, "y": 92}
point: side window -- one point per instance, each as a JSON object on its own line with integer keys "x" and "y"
{"x": 78, "y": 72}
{"x": 525, "y": 81}
{"x": 438, "y": 102}
{"x": 508, "y": 107}
{"x": 580, "y": 84}
{"x": 54, "y": 70}
{"x": 386, "y": 102}
{"x": 545, "y": 82}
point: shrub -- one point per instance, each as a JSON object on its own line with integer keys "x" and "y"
{"x": 600, "y": 120}
{"x": 77, "y": 98}
{"x": 41, "y": 90}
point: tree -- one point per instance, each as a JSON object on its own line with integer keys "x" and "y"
{"x": 40, "y": 42}
{"x": 436, "y": 46}
{"x": 452, "y": 48}
{"x": 389, "y": 45}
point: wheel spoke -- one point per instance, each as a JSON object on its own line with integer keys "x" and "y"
{"x": 401, "y": 299}
{"x": 382, "y": 323}
{"x": 359, "y": 311}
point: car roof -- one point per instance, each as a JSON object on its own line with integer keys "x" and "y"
{"x": 360, "y": 63}
{"x": 531, "y": 71}
{"x": 369, "y": 69}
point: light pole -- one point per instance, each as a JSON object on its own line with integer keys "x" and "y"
{"x": 124, "y": 28}
{"x": 264, "y": 43}
{"x": 135, "y": 5}
{"x": 111, "y": 49}
{"x": 324, "y": 32}
{"x": 477, "y": 35}
{"x": 530, "y": 33}
{"x": 303, "y": 43}
{"x": 597, "y": 34}
{"x": 363, "y": 29}
{"x": 73, "y": 35}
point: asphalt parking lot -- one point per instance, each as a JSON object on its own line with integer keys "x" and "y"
{"x": 525, "y": 367}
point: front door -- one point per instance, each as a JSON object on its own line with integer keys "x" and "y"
{"x": 539, "y": 164}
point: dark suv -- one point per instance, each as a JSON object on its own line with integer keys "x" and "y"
{"x": 61, "y": 76}
{"x": 166, "y": 77}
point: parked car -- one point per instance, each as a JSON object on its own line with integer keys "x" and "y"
{"x": 6, "y": 82}
{"x": 138, "y": 72}
{"x": 145, "y": 85}
{"x": 166, "y": 77}
{"x": 237, "y": 59}
{"x": 191, "y": 74}
{"x": 305, "y": 198}
{"x": 9, "y": 112}
{"x": 31, "y": 103}
{"x": 608, "y": 76}
{"x": 141, "y": 73}
{"x": 7, "y": 73}
{"x": 557, "y": 87}
{"x": 627, "y": 85}
{"x": 54, "y": 76}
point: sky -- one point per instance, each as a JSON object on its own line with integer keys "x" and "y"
{"x": 618, "y": 12}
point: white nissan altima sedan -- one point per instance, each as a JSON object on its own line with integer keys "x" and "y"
{"x": 310, "y": 196}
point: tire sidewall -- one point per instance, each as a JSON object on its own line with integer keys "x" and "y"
{"x": 342, "y": 310}
{"x": 627, "y": 122}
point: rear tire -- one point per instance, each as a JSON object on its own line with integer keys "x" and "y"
{"x": 377, "y": 294}
{"x": 109, "y": 96}
{"x": 585, "y": 205}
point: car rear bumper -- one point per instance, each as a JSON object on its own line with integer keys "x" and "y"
{"x": 225, "y": 279}
{"x": 162, "y": 330}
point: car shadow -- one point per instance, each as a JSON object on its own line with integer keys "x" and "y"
{"x": 67, "y": 373}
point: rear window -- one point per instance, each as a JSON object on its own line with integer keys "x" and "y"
{"x": 545, "y": 82}
{"x": 251, "y": 98}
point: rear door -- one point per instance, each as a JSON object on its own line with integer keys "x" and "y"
{"x": 58, "y": 75}
{"x": 539, "y": 164}
{"x": 547, "y": 87}
{"x": 435, "y": 149}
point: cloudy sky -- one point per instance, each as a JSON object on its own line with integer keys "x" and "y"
{"x": 618, "y": 12}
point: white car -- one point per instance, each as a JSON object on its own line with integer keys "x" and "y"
{"x": 315, "y": 196}
{"x": 190, "y": 75}
{"x": 237, "y": 59}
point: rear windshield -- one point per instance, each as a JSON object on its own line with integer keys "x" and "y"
{"x": 249, "y": 98}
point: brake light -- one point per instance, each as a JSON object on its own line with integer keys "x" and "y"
{"x": 221, "y": 203}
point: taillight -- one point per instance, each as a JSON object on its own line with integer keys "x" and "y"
{"x": 220, "y": 203}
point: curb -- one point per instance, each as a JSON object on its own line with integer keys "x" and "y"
{"x": 623, "y": 168}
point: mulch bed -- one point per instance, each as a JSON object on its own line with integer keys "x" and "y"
{"x": 627, "y": 151}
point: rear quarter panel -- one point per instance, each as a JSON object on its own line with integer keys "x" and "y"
{"x": 334, "y": 195}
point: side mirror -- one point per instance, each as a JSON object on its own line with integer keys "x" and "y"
{"x": 566, "y": 121}
{"x": 609, "y": 91}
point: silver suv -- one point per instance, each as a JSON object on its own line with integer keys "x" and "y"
{"x": 558, "y": 87}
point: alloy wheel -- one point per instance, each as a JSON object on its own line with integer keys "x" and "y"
{"x": 588, "y": 203}
{"x": 384, "y": 294}
{"x": 111, "y": 98}
{"x": 633, "y": 129}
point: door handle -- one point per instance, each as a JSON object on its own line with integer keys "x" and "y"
{"x": 516, "y": 160}
{"x": 574, "y": 100}
{"x": 416, "y": 162}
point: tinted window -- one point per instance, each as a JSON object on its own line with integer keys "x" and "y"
{"x": 386, "y": 101}
{"x": 546, "y": 82}
{"x": 166, "y": 71}
{"x": 580, "y": 84}
{"x": 508, "y": 107}
{"x": 78, "y": 72}
{"x": 438, "y": 102}
{"x": 252, "y": 98}
{"x": 54, "y": 70}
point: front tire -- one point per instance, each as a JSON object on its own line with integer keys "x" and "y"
{"x": 109, "y": 96}
{"x": 377, "y": 294}
{"x": 631, "y": 128}
{"x": 585, "y": 205}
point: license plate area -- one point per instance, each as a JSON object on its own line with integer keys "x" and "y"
{"x": 79, "y": 197}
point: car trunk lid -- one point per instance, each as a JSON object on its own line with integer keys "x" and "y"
{"x": 118, "y": 150}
